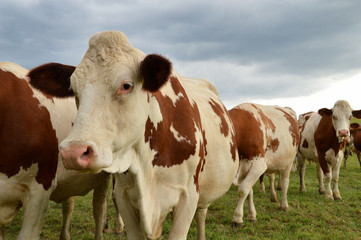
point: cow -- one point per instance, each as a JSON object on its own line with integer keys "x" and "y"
{"x": 354, "y": 146}
{"x": 267, "y": 140}
{"x": 323, "y": 135}
{"x": 168, "y": 138}
{"x": 32, "y": 123}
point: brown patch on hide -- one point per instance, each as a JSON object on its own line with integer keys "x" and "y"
{"x": 26, "y": 133}
{"x": 184, "y": 118}
{"x": 220, "y": 111}
{"x": 305, "y": 144}
{"x": 249, "y": 136}
{"x": 294, "y": 129}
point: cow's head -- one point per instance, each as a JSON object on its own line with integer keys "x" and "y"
{"x": 111, "y": 86}
{"x": 341, "y": 114}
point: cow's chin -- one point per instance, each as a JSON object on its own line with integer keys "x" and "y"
{"x": 343, "y": 139}
{"x": 119, "y": 165}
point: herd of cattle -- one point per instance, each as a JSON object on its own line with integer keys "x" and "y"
{"x": 168, "y": 141}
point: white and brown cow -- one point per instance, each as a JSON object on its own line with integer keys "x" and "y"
{"x": 168, "y": 137}
{"x": 32, "y": 123}
{"x": 323, "y": 135}
{"x": 267, "y": 140}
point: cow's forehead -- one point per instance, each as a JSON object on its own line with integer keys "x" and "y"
{"x": 109, "y": 57}
{"x": 342, "y": 108}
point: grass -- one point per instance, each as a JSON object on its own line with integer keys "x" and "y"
{"x": 310, "y": 215}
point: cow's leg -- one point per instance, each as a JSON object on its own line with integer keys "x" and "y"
{"x": 321, "y": 187}
{"x": 359, "y": 158}
{"x": 35, "y": 206}
{"x": 252, "y": 213}
{"x": 2, "y": 232}
{"x": 301, "y": 171}
{"x": 272, "y": 186}
{"x": 183, "y": 215}
{"x": 129, "y": 214}
{"x": 284, "y": 180}
{"x": 200, "y": 216}
{"x": 67, "y": 208}
{"x": 261, "y": 184}
{"x": 328, "y": 179}
{"x": 335, "y": 177}
{"x": 100, "y": 206}
{"x": 279, "y": 183}
{"x": 118, "y": 224}
{"x": 256, "y": 169}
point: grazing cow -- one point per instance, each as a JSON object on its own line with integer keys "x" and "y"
{"x": 267, "y": 140}
{"x": 169, "y": 138}
{"x": 323, "y": 136}
{"x": 354, "y": 146}
{"x": 31, "y": 125}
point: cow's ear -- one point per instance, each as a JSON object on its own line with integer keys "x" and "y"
{"x": 354, "y": 126}
{"x": 325, "y": 112}
{"x": 155, "y": 70}
{"x": 52, "y": 79}
{"x": 356, "y": 113}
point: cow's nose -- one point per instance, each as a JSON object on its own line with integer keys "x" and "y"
{"x": 77, "y": 157}
{"x": 343, "y": 133}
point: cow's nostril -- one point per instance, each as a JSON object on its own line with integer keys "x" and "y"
{"x": 88, "y": 152}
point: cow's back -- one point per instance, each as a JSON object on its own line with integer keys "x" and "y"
{"x": 220, "y": 164}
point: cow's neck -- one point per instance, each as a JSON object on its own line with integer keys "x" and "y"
{"x": 140, "y": 184}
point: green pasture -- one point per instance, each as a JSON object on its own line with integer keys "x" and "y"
{"x": 310, "y": 215}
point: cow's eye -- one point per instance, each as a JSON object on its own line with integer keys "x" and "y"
{"x": 125, "y": 87}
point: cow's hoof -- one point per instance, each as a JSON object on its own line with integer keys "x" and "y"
{"x": 337, "y": 198}
{"x": 237, "y": 225}
{"x": 321, "y": 192}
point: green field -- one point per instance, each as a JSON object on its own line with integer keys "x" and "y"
{"x": 310, "y": 215}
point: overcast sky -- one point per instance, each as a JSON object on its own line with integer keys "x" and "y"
{"x": 305, "y": 54}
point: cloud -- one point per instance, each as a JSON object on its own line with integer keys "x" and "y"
{"x": 249, "y": 49}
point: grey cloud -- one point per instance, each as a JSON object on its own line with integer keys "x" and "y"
{"x": 289, "y": 43}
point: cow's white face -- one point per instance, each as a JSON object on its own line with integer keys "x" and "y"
{"x": 341, "y": 116}
{"x": 113, "y": 107}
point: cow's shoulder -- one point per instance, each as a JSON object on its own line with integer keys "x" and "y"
{"x": 173, "y": 136}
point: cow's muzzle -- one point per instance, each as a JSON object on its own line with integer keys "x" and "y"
{"x": 77, "y": 157}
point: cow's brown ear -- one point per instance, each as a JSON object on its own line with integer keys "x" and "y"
{"x": 325, "y": 112}
{"x": 356, "y": 113}
{"x": 52, "y": 79}
{"x": 155, "y": 70}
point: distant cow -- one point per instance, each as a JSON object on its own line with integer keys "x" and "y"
{"x": 168, "y": 137}
{"x": 323, "y": 136}
{"x": 31, "y": 125}
{"x": 267, "y": 140}
{"x": 354, "y": 146}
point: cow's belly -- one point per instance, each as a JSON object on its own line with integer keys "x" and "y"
{"x": 279, "y": 160}
{"x": 216, "y": 178}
